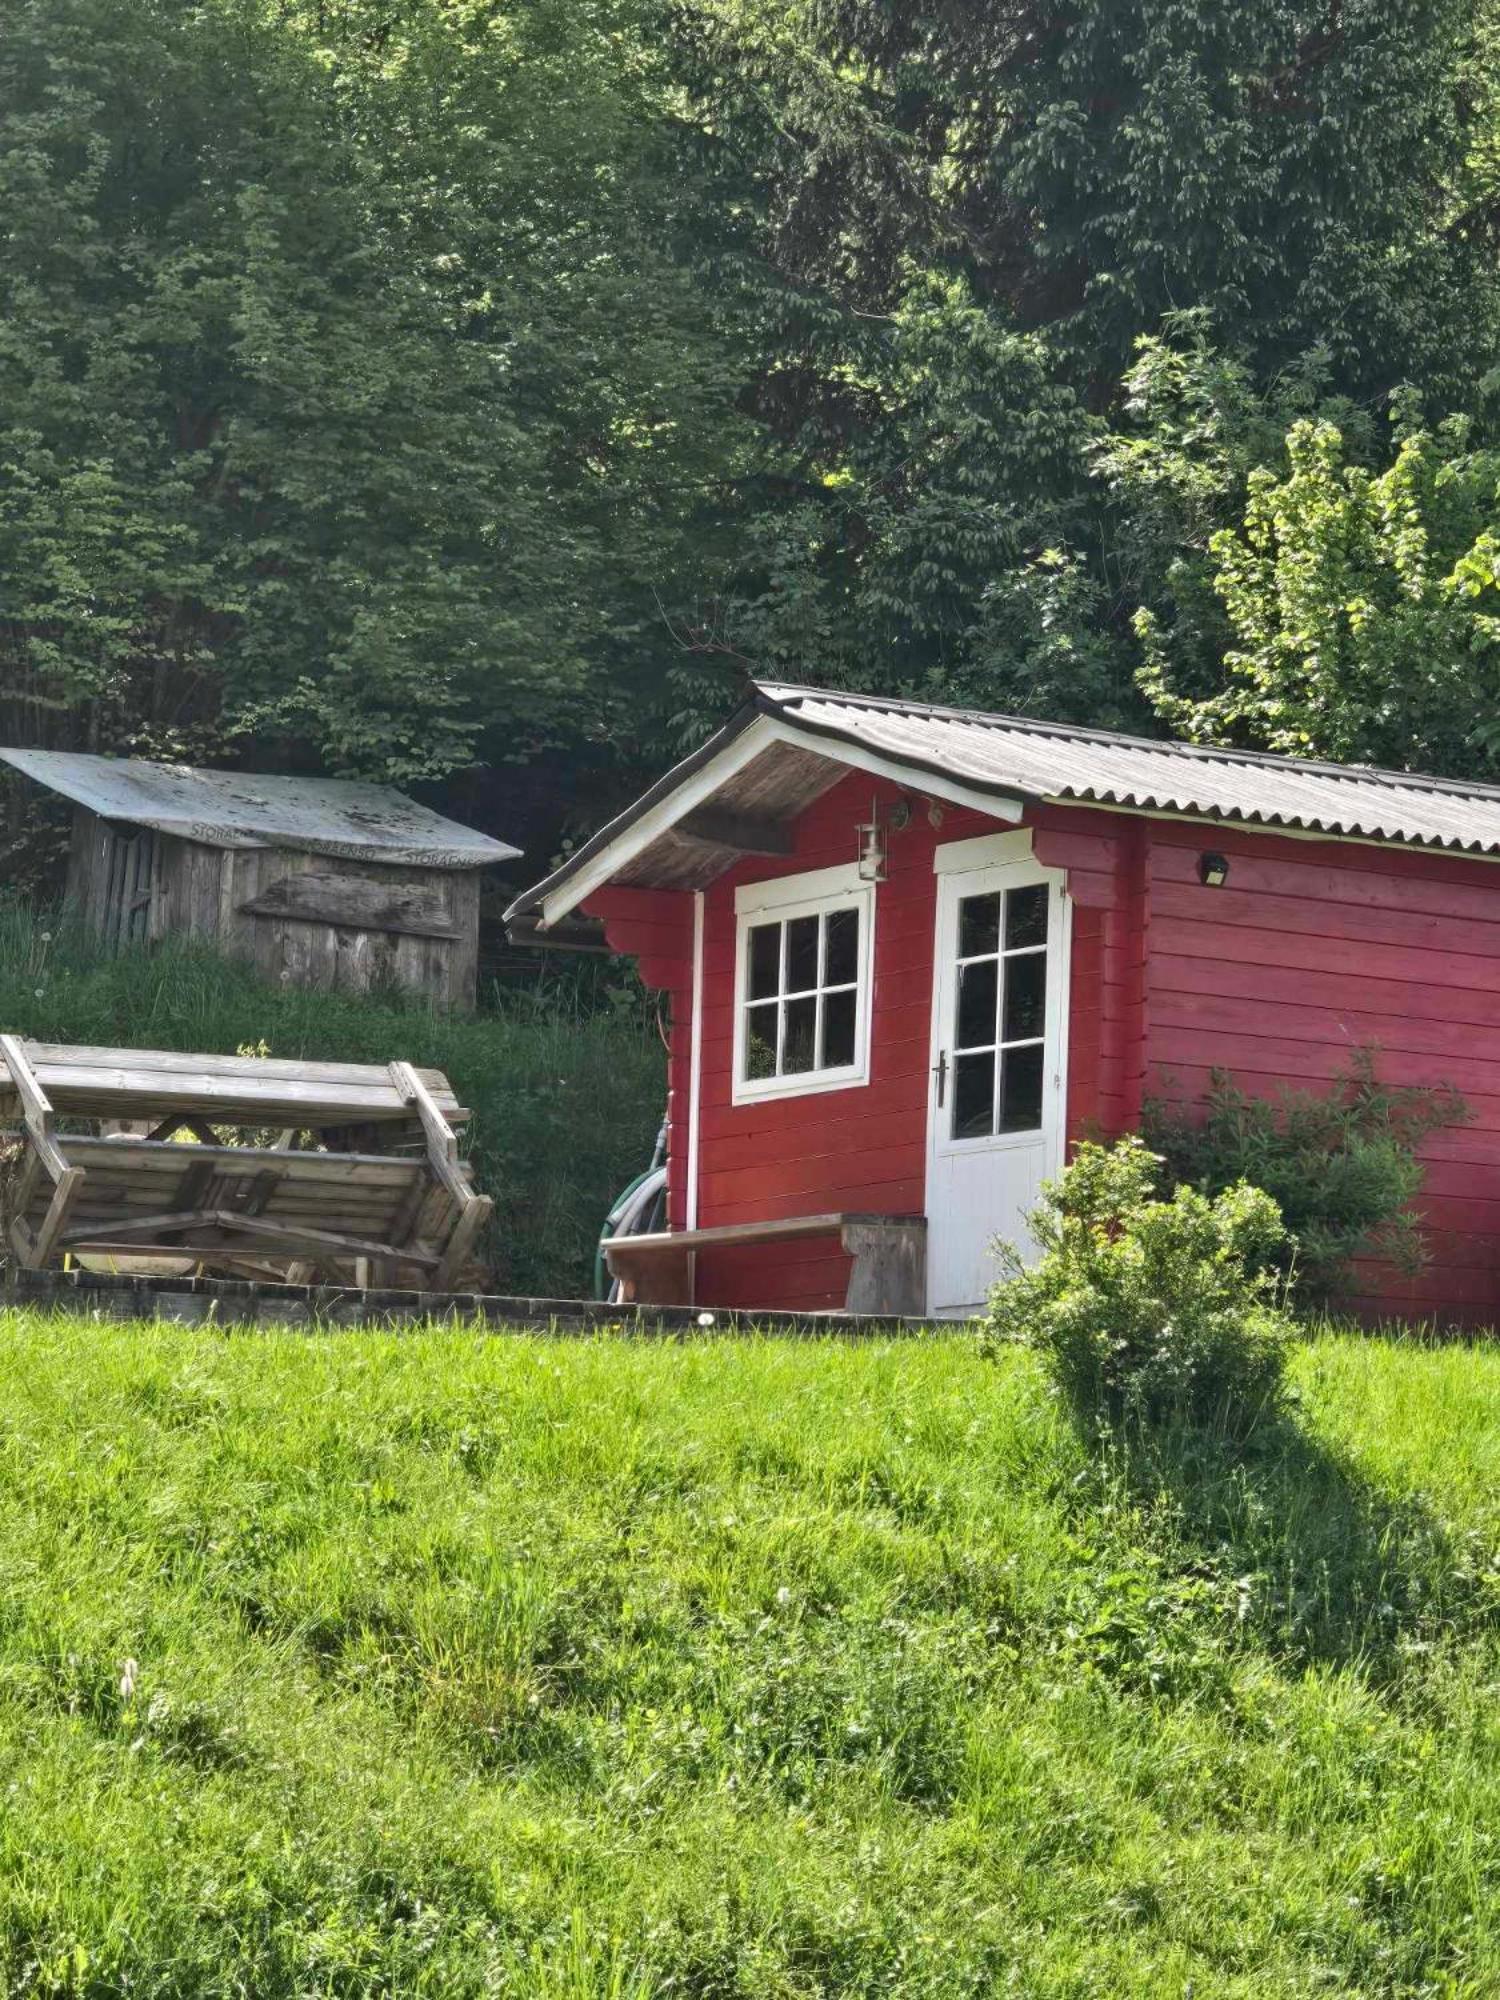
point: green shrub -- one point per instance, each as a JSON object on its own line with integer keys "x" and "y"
{"x": 566, "y": 1083}
{"x": 1342, "y": 1167}
{"x": 1144, "y": 1307}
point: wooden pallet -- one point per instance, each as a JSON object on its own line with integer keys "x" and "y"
{"x": 260, "y": 1168}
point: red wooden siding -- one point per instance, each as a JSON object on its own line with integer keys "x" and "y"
{"x": 1310, "y": 949}
{"x": 865, "y": 1147}
{"x": 862, "y": 1148}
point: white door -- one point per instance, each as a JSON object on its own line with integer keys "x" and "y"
{"x": 995, "y": 1110}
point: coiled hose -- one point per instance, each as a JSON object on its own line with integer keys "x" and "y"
{"x": 638, "y": 1209}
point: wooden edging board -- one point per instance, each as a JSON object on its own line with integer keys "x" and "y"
{"x": 233, "y": 1302}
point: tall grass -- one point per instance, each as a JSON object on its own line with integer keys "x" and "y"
{"x": 566, "y": 1088}
{"x": 451, "y": 1666}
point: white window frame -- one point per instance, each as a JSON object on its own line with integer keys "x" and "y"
{"x": 817, "y": 893}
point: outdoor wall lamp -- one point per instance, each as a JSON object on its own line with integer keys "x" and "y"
{"x": 872, "y": 837}
{"x": 873, "y": 847}
{"x": 1213, "y": 870}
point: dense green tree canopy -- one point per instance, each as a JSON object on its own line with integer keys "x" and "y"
{"x": 396, "y": 385}
{"x": 1363, "y": 607}
{"x": 350, "y": 389}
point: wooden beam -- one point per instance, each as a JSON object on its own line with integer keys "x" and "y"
{"x": 25, "y": 1183}
{"x": 664, "y": 1277}
{"x": 145, "y": 1225}
{"x": 55, "y": 1220}
{"x": 156, "y": 1084}
{"x": 36, "y": 1108}
{"x": 742, "y": 833}
{"x": 887, "y": 1268}
{"x": 751, "y": 1232}
{"x": 192, "y": 1189}
{"x": 473, "y": 1210}
{"x": 164, "y": 1159}
{"x": 294, "y": 1235}
{"x": 357, "y": 902}
{"x": 23, "y": 1242}
{"x": 461, "y": 1243}
{"x": 442, "y": 1144}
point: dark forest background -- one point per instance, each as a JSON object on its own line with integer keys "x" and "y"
{"x": 473, "y": 394}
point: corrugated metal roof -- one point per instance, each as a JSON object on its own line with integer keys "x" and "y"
{"x": 1047, "y": 760}
{"x": 1014, "y": 758}
{"x": 235, "y": 809}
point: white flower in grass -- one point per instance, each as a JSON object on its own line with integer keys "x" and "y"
{"x": 129, "y": 1670}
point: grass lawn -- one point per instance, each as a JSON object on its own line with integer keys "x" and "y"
{"x": 450, "y": 1665}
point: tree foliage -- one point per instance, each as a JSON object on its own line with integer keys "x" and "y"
{"x": 983, "y": 233}
{"x": 1341, "y": 1165}
{"x": 393, "y": 384}
{"x": 1363, "y": 608}
{"x": 349, "y": 382}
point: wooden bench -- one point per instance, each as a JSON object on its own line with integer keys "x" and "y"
{"x": 345, "y": 1171}
{"x": 888, "y": 1274}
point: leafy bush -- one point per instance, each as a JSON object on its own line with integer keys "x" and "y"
{"x": 1341, "y": 1167}
{"x": 1142, "y": 1306}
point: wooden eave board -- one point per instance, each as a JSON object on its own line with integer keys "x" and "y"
{"x": 777, "y": 785}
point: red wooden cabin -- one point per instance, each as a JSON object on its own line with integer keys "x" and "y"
{"x": 912, "y": 953}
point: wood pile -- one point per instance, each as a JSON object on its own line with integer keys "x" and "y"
{"x": 144, "y": 1159}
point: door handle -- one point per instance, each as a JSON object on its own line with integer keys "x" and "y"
{"x": 940, "y": 1071}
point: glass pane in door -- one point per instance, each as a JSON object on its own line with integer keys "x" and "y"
{"x": 999, "y": 1019}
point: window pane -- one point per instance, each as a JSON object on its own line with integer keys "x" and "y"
{"x": 799, "y": 1048}
{"x": 801, "y": 955}
{"x": 765, "y": 960}
{"x": 1025, "y": 996}
{"x": 977, "y": 988}
{"x": 978, "y": 925}
{"x": 760, "y": 1041}
{"x": 838, "y": 1030}
{"x": 841, "y": 947}
{"x": 973, "y": 1097}
{"x": 1021, "y": 1090}
{"x": 1025, "y": 917}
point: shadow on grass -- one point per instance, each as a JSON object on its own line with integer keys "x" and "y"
{"x": 1307, "y": 1556}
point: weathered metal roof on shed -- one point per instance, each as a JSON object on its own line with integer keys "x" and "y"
{"x": 1025, "y": 759}
{"x": 339, "y": 816}
{"x": 1010, "y": 759}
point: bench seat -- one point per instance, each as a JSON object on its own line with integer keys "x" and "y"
{"x": 887, "y": 1274}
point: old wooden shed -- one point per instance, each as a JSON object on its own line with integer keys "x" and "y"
{"x": 322, "y": 882}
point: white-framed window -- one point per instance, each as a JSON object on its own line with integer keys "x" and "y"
{"x": 804, "y": 948}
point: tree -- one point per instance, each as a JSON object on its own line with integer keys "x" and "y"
{"x": 1363, "y": 608}
{"x": 962, "y": 223}
{"x": 1290, "y": 166}
{"x": 351, "y": 393}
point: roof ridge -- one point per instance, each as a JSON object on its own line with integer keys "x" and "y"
{"x": 787, "y": 693}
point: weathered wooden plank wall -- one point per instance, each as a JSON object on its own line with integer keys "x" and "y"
{"x": 301, "y": 919}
